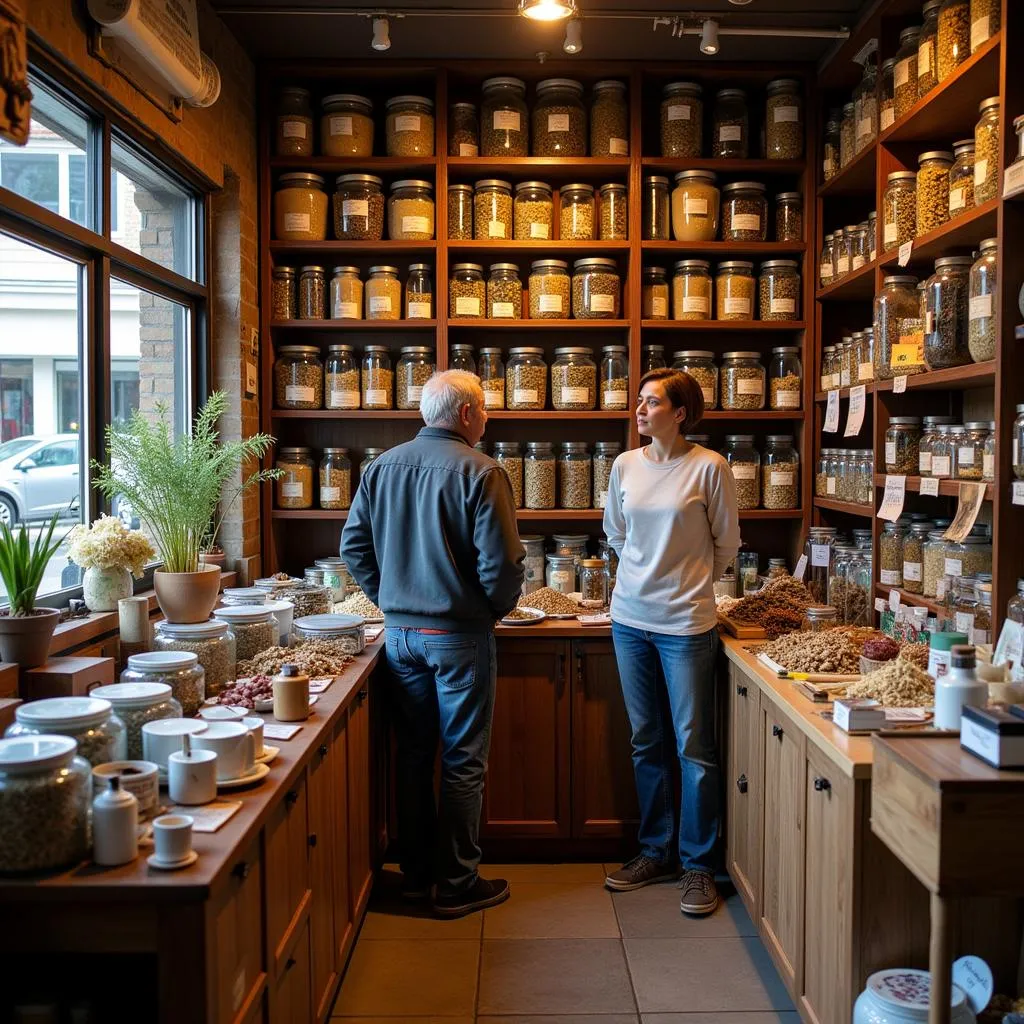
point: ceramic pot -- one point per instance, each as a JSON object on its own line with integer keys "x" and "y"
{"x": 103, "y": 588}
{"x": 187, "y": 596}
{"x": 25, "y": 639}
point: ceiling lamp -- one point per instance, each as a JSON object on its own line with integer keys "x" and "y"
{"x": 547, "y": 10}
{"x": 381, "y": 34}
{"x": 573, "y": 42}
{"x": 709, "y": 38}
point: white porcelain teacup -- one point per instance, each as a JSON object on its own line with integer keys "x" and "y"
{"x": 162, "y": 737}
{"x": 223, "y": 713}
{"x": 234, "y": 745}
{"x": 172, "y": 837}
{"x": 255, "y": 725}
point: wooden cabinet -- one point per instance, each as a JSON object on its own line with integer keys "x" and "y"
{"x": 744, "y": 784}
{"x": 360, "y": 840}
{"x": 291, "y": 995}
{"x": 344, "y": 933}
{"x": 603, "y": 791}
{"x": 322, "y": 854}
{"x": 527, "y": 789}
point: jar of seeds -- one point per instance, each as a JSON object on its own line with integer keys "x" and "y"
{"x": 970, "y": 456}
{"x": 927, "y": 56}
{"x": 864, "y": 355}
{"x": 293, "y": 122}
{"x": 526, "y": 380}
{"x": 300, "y": 208}
{"x": 745, "y": 463}
{"x": 654, "y": 294}
{"x": 895, "y": 304}
{"x": 742, "y": 381}
{"x": 593, "y": 583}
{"x": 284, "y": 296}
{"x": 312, "y": 293}
{"x": 901, "y": 444}
{"x": 609, "y": 119}
{"x": 383, "y": 294}
{"x": 734, "y": 290}
{"x": 905, "y": 72}
{"x": 970, "y": 556}
{"x": 460, "y": 213}
{"x": 682, "y": 120}
{"x": 574, "y": 476}
{"x": 89, "y": 721}
{"x": 784, "y": 120}
{"x": 913, "y": 558}
{"x": 847, "y": 135}
{"x": 378, "y": 379}
{"x": 341, "y": 378}
{"x": 954, "y": 37}
{"x": 655, "y": 208}
{"x": 614, "y": 377}
{"x": 460, "y": 357}
{"x": 596, "y": 289}
{"x": 560, "y": 574}
{"x": 988, "y": 460}
{"x": 294, "y": 488}
{"x": 943, "y": 450}
{"x": 731, "y": 127}
{"x": 865, "y": 100}
{"x": 872, "y": 228}
{"x": 825, "y": 273}
{"x": 559, "y": 119}
{"x": 986, "y": 152}
{"x": 899, "y": 210}
{"x": 298, "y": 378}
{"x": 789, "y": 217}
{"x": 605, "y": 454}
{"x": 411, "y": 211}
{"x": 614, "y": 207}
{"x": 335, "y": 479}
{"x": 346, "y": 125}
{"x": 700, "y": 365}
{"x": 785, "y": 378}
{"x": 507, "y": 454}
{"x": 929, "y": 434}
{"x": 946, "y": 313}
{"x": 695, "y": 207}
{"x": 346, "y": 294}
{"x": 409, "y": 127}
{"x": 933, "y": 190}
{"x": 212, "y": 642}
{"x": 467, "y": 293}
{"x": 534, "y": 563}
{"x": 652, "y": 357}
{"x": 574, "y": 379}
{"x": 865, "y": 492}
{"x": 985, "y": 22}
{"x": 539, "y": 475}
{"x": 576, "y": 214}
{"x": 549, "y": 290}
{"x": 415, "y": 367}
{"x": 780, "y": 473}
{"x": 255, "y": 629}
{"x": 504, "y": 118}
{"x": 857, "y": 243}
{"x": 830, "y": 161}
{"x": 504, "y": 292}
{"x": 492, "y": 378}
{"x": 492, "y": 209}
{"x": 887, "y": 98}
{"x": 744, "y": 212}
{"x": 419, "y": 292}
{"x": 844, "y": 250}
{"x": 533, "y": 211}
{"x": 981, "y": 327}
{"x": 463, "y": 130}
{"x": 961, "y": 178}
{"x": 779, "y": 290}
{"x": 358, "y": 208}
{"x": 890, "y": 555}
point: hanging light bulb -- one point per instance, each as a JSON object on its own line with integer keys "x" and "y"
{"x": 709, "y": 37}
{"x": 573, "y": 36}
{"x": 381, "y": 34}
{"x": 547, "y": 10}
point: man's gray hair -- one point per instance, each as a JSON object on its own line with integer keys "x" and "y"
{"x": 446, "y": 393}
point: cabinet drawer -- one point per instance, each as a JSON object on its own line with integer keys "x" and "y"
{"x": 291, "y": 995}
{"x": 322, "y": 853}
{"x": 744, "y": 788}
{"x": 286, "y": 860}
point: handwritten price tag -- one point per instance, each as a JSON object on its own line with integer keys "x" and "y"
{"x": 832, "y": 413}
{"x": 892, "y": 500}
{"x": 855, "y": 417}
{"x": 801, "y": 567}
{"x": 904, "y": 254}
{"x": 894, "y": 600}
{"x": 1017, "y": 495}
{"x": 880, "y": 605}
{"x": 930, "y": 486}
{"x": 899, "y": 385}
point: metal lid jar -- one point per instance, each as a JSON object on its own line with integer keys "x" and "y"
{"x": 830, "y": 154}
{"x": 961, "y": 179}
{"x": 509, "y": 456}
{"x": 463, "y": 130}
{"x": 981, "y": 312}
{"x": 894, "y": 304}
{"x": 138, "y": 703}
{"x": 731, "y": 128}
{"x": 654, "y": 294}
{"x": 377, "y": 379}
{"x": 655, "y": 208}
{"x": 986, "y": 151}
{"x": 953, "y": 43}
{"x": 576, "y": 217}
{"x": 1017, "y": 440}
{"x": 574, "y": 379}
{"x": 559, "y": 119}
{"x": 358, "y": 208}
{"x": 695, "y": 206}
{"x": 293, "y": 122}
{"x": 899, "y": 209}
{"x": 347, "y": 631}
{"x": 652, "y": 357}
{"x": 744, "y": 212}
{"x": 560, "y": 573}
{"x": 971, "y": 556}
{"x": 312, "y": 293}
{"x": 927, "y": 55}
{"x": 492, "y": 209}
{"x": 370, "y": 456}
{"x": 346, "y": 294}
{"x": 255, "y": 629}
{"x": 549, "y": 290}
{"x": 691, "y": 290}
{"x": 943, "y": 450}
{"x": 300, "y": 208}
{"x": 419, "y": 292}
{"x": 789, "y": 217}
{"x": 784, "y": 120}
{"x": 745, "y": 463}
{"x": 596, "y": 289}
{"x": 526, "y": 379}
{"x": 211, "y": 641}
{"x": 779, "y": 290}
{"x": 825, "y": 261}
{"x": 539, "y": 475}
{"x": 887, "y": 96}
{"x": 905, "y": 71}
{"x": 409, "y": 126}
{"x": 614, "y": 377}
{"x": 933, "y": 189}
{"x": 605, "y": 454}
{"x": 298, "y": 378}
{"x": 614, "y": 218}
{"x": 574, "y": 475}
{"x": 865, "y": 100}
{"x": 700, "y": 365}
{"x": 593, "y": 583}
{"x": 492, "y": 377}
{"x": 504, "y": 118}
{"x": 89, "y": 721}
{"x": 970, "y": 452}
{"x": 411, "y": 210}
{"x": 415, "y": 367}
{"x": 742, "y": 382}
{"x": 383, "y": 293}
{"x": 460, "y": 213}
{"x": 533, "y": 211}
{"x": 734, "y": 290}
{"x": 785, "y": 378}
{"x": 609, "y": 119}
{"x": 946, "y": 313}
{"x": 284, "y": 299}
{"x": 335, "y": 478}
{"x": 460, "y": 357}
{"x": 180, "y": 670}
{"x": 681, "y": 120}
{"x": 847, "y": 135}
{"x": 780, "y": 483}
{"x": 929, "y": 434}
{"x": 346, "y": 125}
{"x": 467, "y": 292}
{"x": 902, "y": 440}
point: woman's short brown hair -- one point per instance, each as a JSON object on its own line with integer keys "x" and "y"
{"x": 682, "y": 391}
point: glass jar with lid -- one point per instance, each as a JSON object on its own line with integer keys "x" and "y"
{"x": 346, "y": 294}
{"x": 744, "y": 212}
{"x": 913, "y": 558}
{"x": 821, "y": 473}
{"x": 358, "y": 208}
{"x": 865, "y": 491}
{"x": 905, "y": 72}
{"x": 970, "y": 556}
{"x": 887, "y": 95}
{"x": 946, "y": 313}
{"x": 463, "y": 130}
{"x": 655, "y": 208}
{"x": 593, "y": 583}
{"x": 872, "y": 230}
{"x": 779, "y": 290}
{"x": 415, "y": 367}
{"x": 849, "y": 372}
{"x": 378, "y": 378}
{"x": 742, "y": 381}
{"x": 654, "y": 295}
{"x": 902, "y": 438}
{"x": 986, "y": 143}
{"x": 695, "y": 207}
{"x": 745, "y": 463}
{"x": 560, "y": 573}
{"x": 1017, "y": 440}
{"x": 942, "y": 450}
{"x": 409, "y": 126}
{"x": 970, "y": 456}
{"x": 933, "y": 190}
{"x": 460, "y": 357}
{"x": 549, "y": 290}
{"x": 605, "y": 454}
{"x": 933, "y": 557}
{"x": 840, "y": 255}
{"x": 614, "y": 212}
{"x": 789, "y": 217}
{"x": 576, "y": 216}
{"x": 838, "y": 591}
{"x": 894, "y": 304}
{"x": 929, "y": 434}
{"x": 927, "y": 55}
{"x": 294, "y": 488}
{"x": 91, "y": 722}
{"x": 953, "y": 42}
{"x": 243, "y": 595}
{"x": 981, "y": 326}
{"x": 829, "y": 368}
{"x": 137, "y": 703}
{"x": 411, "y": 210}
{"x": 691, "y": 290}
{"x": 492, "y": 377}
{"x": 312, "y": 293}
{"x": 284, "y": 293}
{"x": 681, "y": 120}
{"x": 865, "y": 101}
{"x": 785, "y": 377}
{"x": 784, "y": 120}
{"x": 734, "y": 290}
{"x": 255, "y": 629}
{"x": 293, "y": 122}
{"x": 857, "y": 241}
{"x": 504, "y": 292}
{"x": 574, "y": 476}
{"x": 419, "y": 292}
{"x": 988, "y": 457}
{"x": 830, "y": 160}
{"x": 652, "y": 357}
{"x": 335, "y": 479}
{"x": 961, "y": 179}
{"x": 346, "y": 125}
{"x": 614, "y": 377}
{"x": 460, "y": 213}
{"x": 899, "y": 210}
{"x": 383, "y": 292}
{"x": 596, "y": 289}
{"x": 863, "y": 356}
{"x": 346, "y": 632}
{"x": 847, "y": 135}
{"x": 539, "y": 475}
{"x": 846, "y": 470}
{"x": 370, "y": 456}
{"x": 780, "y": 473}
{"x": 467, "y": 292}
{"x": 731, "y": 126}
{"x": 298, "y": 378}
{"x": 700, "y": 365}
{"x": 609, "y": 119}
{"x": 341, "y": 378}
{"x": 574, "y": 379}
{"x": 492, "y": 209}
{"x": 818, "y": 551}
{"x": 526, "y": 379}
{"x": 826, "y": 274}
{"x": 508, "y": 455}
{"x": 504, "y": 118}
{"x": 559, "y": 122}
{"x": 300, "y": 208}
{"x": 533, "y": 211}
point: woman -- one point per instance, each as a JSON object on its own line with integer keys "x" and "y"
{"x": 671, "y": 518}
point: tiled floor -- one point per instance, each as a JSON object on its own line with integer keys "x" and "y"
{"x": 562, "y": 950}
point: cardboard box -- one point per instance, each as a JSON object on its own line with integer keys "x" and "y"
{"x": 66, "y": 677}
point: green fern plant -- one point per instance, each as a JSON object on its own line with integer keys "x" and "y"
{"x": 22, "y": 565}
{"x": 174, "y": 484}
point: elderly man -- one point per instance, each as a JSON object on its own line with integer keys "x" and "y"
{"x": 432, "y": 540}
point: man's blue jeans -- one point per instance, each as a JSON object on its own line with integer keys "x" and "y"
{"x": 687, "y": 665}
{"x": 442, "y": 687}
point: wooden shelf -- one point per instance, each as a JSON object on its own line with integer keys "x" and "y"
{"x": 957, "y": 378}
{"x": 482, "y": 324}
{"x": 396, "y": 166}
{"x": 857, "y": 178}
{"x": 947, "y": 488}
{"x": 309, "y": 513}
{"x": 384, "y": 249}
{"x": 954, "y": 238}
{"x": 552, "y": 169}
{"x": 672, "y": 165}
{"x": 538, "y": 247}
{"x": 353, "y": 325}
{"x": 725, "y": 249}
{"x": 742, "y": 326}
{"x": 849, "y": 508}
{"x": 593, "y": 515}
{"x": 754, "y": 414}
{"x": 345, "y": 414}
{"x": 559, "y": 414}
{"x": 771, "y": 513}
{"x": 917, "y": 600}
{"x": 858, "y": 284}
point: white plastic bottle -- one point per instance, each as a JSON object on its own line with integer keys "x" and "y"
{"x": 957, "y": 688}
{"x": 115, "y": 820}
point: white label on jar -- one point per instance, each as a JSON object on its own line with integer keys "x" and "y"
{"x": 730, "y": 133}
{"x": 890, "y": 232}
{"x": 695, "y": 304}
{"x": 825, "y": 271}
{"x": 293, "y": 129}
{"x": 495, "y": 229}
{"x": 981, "y": 307}
{"x": 954, "y": 567}
{"x": 602, "y": 304}
{"x": 889, "y": 577}
{"x": 538, "y": 230}
{"x": 561, "y": 577}
{"x": 551, "y": 303}
{"x": 787, "y": 114}
{"x": 678, "y": 112}
{"x": 924, "y": 60}
{"x": 820, "y": 554}
{"x": 467, "y": 305}
{"x": 964, "y": 622}
{"x": 299, "y": 393}
{"x": 503, "y": 310}
{"x": 355, "y": 208}
{"x": 506, "y": 121}
{"x": 602, "y": 499}
{"x": 380, "y": 303}
{"x": 787, "y": 399}
{"x": 957, "y": 199}
{"x": 330, "y": 494}
{"x": 415, "y": 225}
{"x": 415, "y": 392}
{"x": 866, "y": 371}
{"x": 659, "y": 306}
{"x": 291, "y": 490}
{"x": 737, "y": 306}
{"x": 694, "y": 207}
{"x": 339, "y": 124}
{"x": 419, "y": 310}
{"x": 524, "y": 396}
{"x": 830, "y": 166}
{"x": 468, "y": 149}
{"x": 296, "y": 222}
{"x": 709, "y": 396}
{"x": 830, "y": 485}
{"x": 890, "y": 452}
{"x": 780, "y": 478}
{"x": 744, "y": 472}
{"x": 1016, "y": 452}
{"x": 858, "y": 262}
{"x": 749, "y": 386}
{"x": 980, "y": 172}
{"x": 344, "y": 400}
{"x": 407, "y": 123}
{"x": 618, "y": 147}
{"x": 376, "y": 396}
{"x": 844, "y": 379}
{"x": 965, "y": 456}
{"x": 746, "y": 222}
{"x": 888, "y": 118}
{"x": 912, "y": 572}
{"x": 979, "y": 32}
{"x": 616, "y": 398}
{"x": 864, "y": 127}
{"x": 940, "y": 466}
{"x": 493, "y": 399}
{"x": 901, "y": 74}
{"x": 924, "y": 462}
{"x": 574, "y": 396}
{"x": 558, "y": 122}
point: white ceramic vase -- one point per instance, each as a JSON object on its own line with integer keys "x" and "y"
{"x": 103, "y": 588}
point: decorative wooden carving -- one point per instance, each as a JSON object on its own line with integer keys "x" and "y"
{"x": 15, "y": 95}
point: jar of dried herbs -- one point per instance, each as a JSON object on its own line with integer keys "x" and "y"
{"x": 460, "y": 213}
{"x": 933, "y": 190}
{"x": 946, "y": 313}
{"x": 986, "y": 151}
{"x": 504, "y": 292}
{"x": 742, "y": 381}
{"x": 533, "y": 211}
{"x": 609, "y": 119}
{"x": 784, "y": 120}
{"x": 779, "y": 290}
{"x": 785, "y": 378}
{"x": 745, "y": 463}
{"x": 981, "y": 327}
{"x": 927, "y": 55}
{"x": 294, "y": 488}
{"x": 731, "y": 127}
{"x": 700, "y": 365}
{"x": 830, "y": 161}
{"x": 780, "y": 483}
{"x": 655, "y": 208}
{"x": 463, "y": 130}
{"x": 789, "y": 217}
{"x": 890, "y": 556}
{"x": 312, "y": 293}
{"x": 961, "y": 178}
{"x": 902, "y": 438}
{"x": 654, "y": 295}
{"x": 298, "y": 378}
{"x": 744, "y": 212}
{"x": 970, "y": 456}
{"x": 681, "y": 120}
{"x": 691, "y": 290}
{"x": 613, "y": 202}
{"x": 492, "y": 209}
{"x": 284, "y": 301}
{"x": 905, "y": 72}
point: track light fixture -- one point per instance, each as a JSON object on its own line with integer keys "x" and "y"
{"x": 381, "y": 34}
{"x": 573, "y": 42}
{"x": 547, "y": 10}
{"x": 709, "y": 37}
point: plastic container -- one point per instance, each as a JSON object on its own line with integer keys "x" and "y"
{"x": 695, "y": 206}
{"x": 504, "y": 118}
{"x": 300, "y": 208}
{"x": 731, "y": 125}
{"x": 409, "y": 126}
{"x": 293, "y": 122}
{"x": 138, "y": 703}
{"x": 211, "y": 641}
{"x": 946, "y": 313}
{"x": 89, "y": 721}
{"x": 681, "y": 120}
{"x": 559, "y": 121}
{"x": 346, "y": 125}
{"x": 345, "y": 630}
{"x": 656, "y": 222}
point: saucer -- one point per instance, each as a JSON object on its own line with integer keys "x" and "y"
{"x": 154, "y": 862}
{"x": 268, "y": 755}
{"x": 257, "y": 773}
{"x": 264, "y": 704}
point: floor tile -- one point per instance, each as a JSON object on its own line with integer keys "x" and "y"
{"x": 560, "y": 1018}
{"x": 768, "y": 1017}
{"x": 546, "y": 976}
{"x": 390, "y": 918}
{"x": 561, "y": 911}
{"x": 653, "y": 913}
{"x": 395, "y": 978}
{"x": 406, "y": 1020}
{"x": 704, "y": 975}
{"x": 548, "y": 874}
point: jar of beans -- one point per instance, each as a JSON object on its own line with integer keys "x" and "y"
{"x": 946, "y": 313}
{"x": 574, "y": 379}
{"x": 784, "y": 120}
{"x": 613, "y": 200}
{"x": 789, "y": 217}
{"x": 463, "y": 130}
{"x": 293, "y": 122}
{"x": 780, "y": 476}
{"x": 902, "y": 438}
{"x": 409, "y": 127}
{"x": 312, "y": 293}
{"x": 986, "y": 155}
{"x": 383, "y": 294}
{"x": 700, "y": 365}
{"x": 294, "y": 487}
{"x": 460, "y": 213}
{"x": 779, "y": 290}
{"x": 492, "y": 209}
{"x": 742, "y": 381}
{"x": 346, "y": 294}
{"x": 970, "y": 459}
{"x": 549, "y": 290}
{"x": 378, "y": 379}
{"x": 507, "y": 454}
{"x": 526, "y": 379}
{"x": 358, "y": 208}
{"x": 785, "y": 378}
{"x": 899, "y": 209}
{"x": 559, "y": 125}
{"x": 298, "y": 378}
{"x": 655, "y": 208}
{"x": 981, "y": 328}
{"x": 744, "y": 212}
{"x": 596, "y": 289}
{"x": 504, "y": 292}
{"x": 933, "y": 190}
{"x": 335, "y": 479}
{"x": 284, "y": 298}
{"x": 654, "y": 294}
{"x": 614, "y": 377}
{"x": 504, "y": 118}
{"x": 576, "y": 214}
{"x": 533, "y": 211}
{"x": 341, "y": 378}
{"x": 609, "y": 119}
{"x": 734, "y": 290}
{"x": 682, "y": 120}
{"x": 346, "y": 125}
{"x": 467, "y": 293}
{"x": 731, "y": 129}
{"x": 961, "y": 178}
{"x": 745, "y": 464}
{"x": 419, "y": 292}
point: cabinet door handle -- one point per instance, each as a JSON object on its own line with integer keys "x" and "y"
{"x": 777, "y": 731}
{"x": 323, "y": 749}
{"x": 361, "y": 696}
{"x": 289, "y": 963}
{"x": 312, "y": 839}
{"x": 291, "y": 798}
{"x": 821, "y": 784}
{"x": 741, "y": 691}
{"x": 241, "y": 871}
{"x": 741, "y": 783}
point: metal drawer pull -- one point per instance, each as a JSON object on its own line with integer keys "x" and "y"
{"x": 323, "y": 749}
{"x": 291, "y": 798}
{"x": 312, "y": 839}
{"x": 821, "y": 784}
{"x": 241, "y": 871}
{"x": 741, "y": 783}
{"x": 289, "y": 963}
{"x": 777, "y": 731}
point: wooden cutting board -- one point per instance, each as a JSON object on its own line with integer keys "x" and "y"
{"x": 742, "y": 630}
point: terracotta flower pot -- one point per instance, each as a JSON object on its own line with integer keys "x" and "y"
{"x": 187, "y": 596}
{"x": 25, "y": 639}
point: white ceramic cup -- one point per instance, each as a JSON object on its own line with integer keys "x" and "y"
{"x": 255, "y": 725}
{"x": 140, "y": 778}
{"x": 162, "y": 737}
{"x": 192, "y": 777}
{"x": 233, "y": 744}
{"x": 172, "y": 837}
{"x": 223, "y": 713}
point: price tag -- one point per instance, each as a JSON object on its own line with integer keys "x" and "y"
{"x": 899, "y": 385}
{"x": 801, "y": 568}
{"x": 894, "y": 600}
{"x": 906, "y": 353}
{"x": 974, "y": 977}
{"x": 832, "y": 413}
{"x": 251, "y": 378}
{"x": 892, "y": 500}
{"x": 930, "y": 486}
{"x": 904, "y": 254}
{"x": 1017, "y": 495}
{"x": 855, "y": 417}
{"x": 280, "y": 732}
{"x": 1013, "y": 179}
{"x": 880, "y": 605}
{"x": 972, "y": 497}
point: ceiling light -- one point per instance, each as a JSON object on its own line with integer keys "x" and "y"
{"x": 547, "y": 10}
{"x": 573, "y": 42}
{"x": 381, "y": 35}
{"x": 709, "y": 37}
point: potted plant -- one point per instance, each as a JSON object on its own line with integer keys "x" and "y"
{"x": 174, "y": 485}
{"x": 25, "y": 630}
{"x": 110, "y": 554}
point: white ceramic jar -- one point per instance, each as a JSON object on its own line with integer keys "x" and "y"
{"x": 902, "y": 995}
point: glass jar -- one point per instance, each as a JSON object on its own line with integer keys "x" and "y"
{"x": 526, "y": 379}
{"x": 411, "y": 210}
{"x": 779, "y": 290}
{"x": 492, "y": 378}
{"x": 559, "y": 123}
{"x": 89, "y": 721}
{"x": 415, "y": 367}
{"x": 780, "y": 472}
{"x": 865, "y": 101}
{"x": 654, "y": 295}
{"x": 533, "y": 211}
{"x": 577, "y": 213}
{"x": 346, "y": 632}
{"x": 682, "y": 120}
{"x": 507, "y": 454}
{"x": 745, "y": 463}
{"x": 847, "y": 135}
{"x": 460, "y": 357}
{"x": 933, "y": 190}
{"x": 467, "y": 292}
{"x": 656, "y": 208}
{"x": 1015, "y": 606}
{"x": 504, "y": 292}
{"x": 460, "y": 213}
{"x": 255, "y": 629}
{"x": 310, "y": 600}
{"x": 593, "y": 583}
{"x": 927, "y": 55}
{"x": 137, "y": 703}
{"x": 946, "y": 313}
{"x": 560, "y": 573}
{"x": 970, "y": 457}
{"x": 539, "y": 474}
{"x": 731, "y": 126}
{"x": 902, "y": 438}
{"x": 383, "y": 293}
{"x": 826, "y": 274}
{"x": 887, "y": 96}
{"x": 899, "y": 210}
{"x": 574, "y": 475}
{"x": 609, "y": 119}
{"x": 744, "y": 212}
{"x": 341, "y": 378}
{"x": 614, "y": 377}
{"x": 872, "y": 229}
{"x": 829, "y": 371}
{"x": 943, "y": 450}
{"x": 969, "y": 557}
{"x": 953, "y": 43}
{"x": 986, "y": 151}
{"x": 300, "y": 208}
{"x": 652, "y": 357}
{"x": 734, "y": 291}
{"x": 700, "y": 365}
{"x": 830, "y": 161}
{"x": 346, "y": 294}
{"x": 691, "y": 290}
{"x": 961, "y": 179}
{"x": 818, "y": 551}
{"x": 912, "y": 554}
{"x": 284, "y": 299}
{"x": 846, "y": 471}
{"x": 846, "y": 361}
{"x": 492, "y": 209}
{"x": 419, "y": 292}
{"x": 409, "y": 126}
{"x": 840, "y": 256}
{"x": 905, "y": 72}
{"x": 614, "y": 212}
{"x": 370, "y": 456}
{"x": 378, "y": 379}
{"x": 742, "y": 381}
{"x": 504, "y": 120}
{"x": 549, "y": 290}
{"x": 298, "y": 378}
{"x": 986, "y": 20}
{"x": 358, "y": 208}
{"x": 574, "y": 379}
{"x": 865, "y": 489}
{"x": 981, "y": 326}
{"x": 789, "y": 217}
{"x": 596, "y": 289}
{"x": 934, "y": 556}
{"x": 605, "y": 454}
{"x": 293, "y": 122}
{"x": 784, "y": 120}
{"x": 312, "y": 293}
{"x": 785, "y": 376}
{"x": 838, "y": 593}
{"x": 821, "y": 473}
{"x": 857, "y": 241}
{"x": 463, "y": 130}
{"x": 858, "y": 608}
{"x": 346, "y": 125}
{"x": 695, "y": 207}
{"x": 534, "y": 562}
{"x": 1017, "y": 440}
{"x": 895, "y": 303}
{"x": 863, "y": 355}
{"x": 929, "y": 435}
{"x": 294, "y": 488}
{"x": 335, "y": 479}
